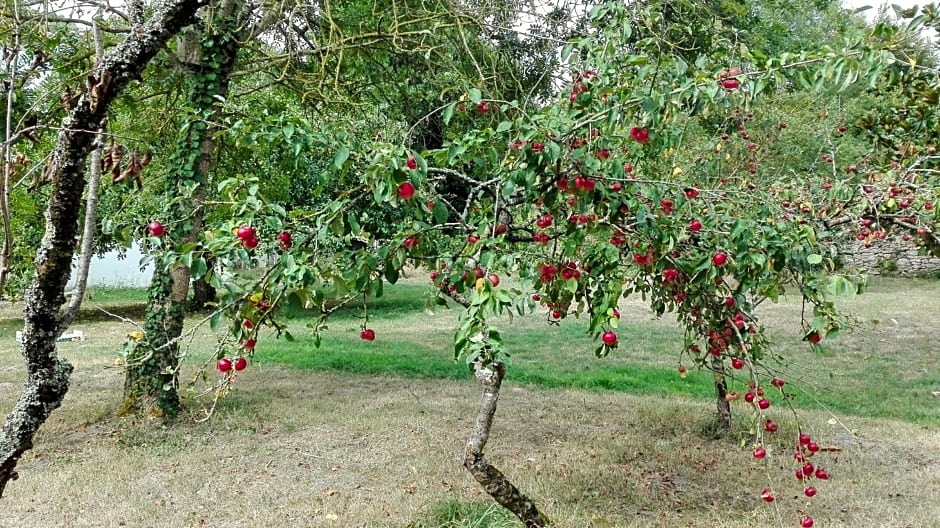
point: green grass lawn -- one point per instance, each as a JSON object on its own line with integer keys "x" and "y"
{"x": 893, "y": 379}
{"x": 885, "y": 370}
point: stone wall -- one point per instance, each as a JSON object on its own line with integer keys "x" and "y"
{"x": 891, "y": 256}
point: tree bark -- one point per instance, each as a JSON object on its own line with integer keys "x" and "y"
{"x": 492, "y": 480}
{"x": 721, "y": 390}
{"x": 6, "y": 251}
{"x": 151, "y": 379}
{"x": 47, "y": 376}
{"x": 91, "y": 210}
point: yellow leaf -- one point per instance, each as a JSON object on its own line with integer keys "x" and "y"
{"x": 480, "y": 282}
{"x": 718, "y": 147}
{"x": 676, "y": 172}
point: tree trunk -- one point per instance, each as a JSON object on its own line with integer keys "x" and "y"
{"x": 492, "y": 480}
{"x": 91, "y": 210}
{"x": 721, "y": 390}
{"x": 151, "y": 380}
{"x": 47, "y": 376}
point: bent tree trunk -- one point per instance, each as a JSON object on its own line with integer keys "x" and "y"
{"x": 47, "y": 376}
{"x": 492, "y": 480}
{"x": 151, "y": 379}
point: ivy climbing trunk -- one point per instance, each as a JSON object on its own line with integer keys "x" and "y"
{"x": 47, "y": 376}
{"x": 208, "y": 53}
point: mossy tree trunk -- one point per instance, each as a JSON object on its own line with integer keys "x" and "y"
{"x": 209, "y": 54}
{"x": 47, "y": 376}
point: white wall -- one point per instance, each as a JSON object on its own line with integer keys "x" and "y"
{"x": 110, "y": 271}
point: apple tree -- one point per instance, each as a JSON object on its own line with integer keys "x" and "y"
{"x": 593, "y": 197}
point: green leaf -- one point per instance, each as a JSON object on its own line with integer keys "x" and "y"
{"x": 571, "y": 285}
{"x": 440, "y": 212}
{"x": 448, "y": 113}
{"x": 814, "y": 258}
{"x": 199, "y": 268}
{"x": 475, "y": 95}
{"x": 215, "y": 320}
{"x": 340, "y": 158}
{"x": 391, "y": 274}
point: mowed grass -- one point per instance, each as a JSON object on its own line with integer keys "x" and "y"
{"x": 885, "y": 369}
{"x": 370, "y": 434}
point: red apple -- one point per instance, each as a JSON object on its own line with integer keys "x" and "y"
{"x": 494, "y": 279}
{"x": 284, "y": 238}
{"x": 766, "y": 495}
{"x": 806, "y": 521}
{"x": 770, "y": 426}
{"x": 821, "y": 474}
{"x": 224, "y": 364}
{"x": 367, "y": 335}
{"x": 156, "y": 229}
{"x": 737, "y": 364}
{"x": 245, "y": 232}
{"x": 241, "y": 363}
{"x": 805, "y": 439}
{"x": 250, "y": 243}
{"x": 249, "y": 344}
{"x": 640, "y": 135}
{"x": 695, "y": 226}
{"x": 760, "y": 453}
{"x": 719, "y": 259}
{"x": 609, "y": 338}
{"x": 412, "y": 163}
{"x": 406, "y": 191}
{"x": 763, "y": 403}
